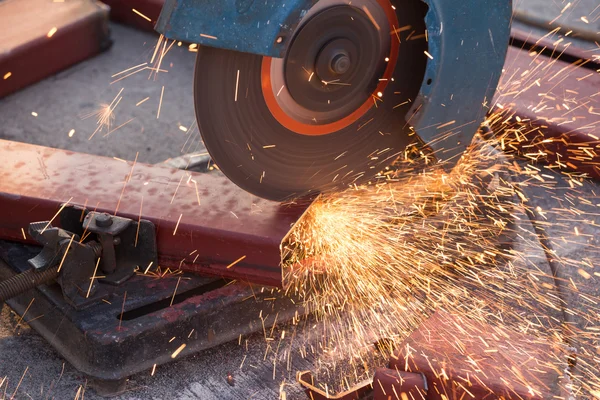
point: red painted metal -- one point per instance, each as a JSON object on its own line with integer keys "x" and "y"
{"x": 122, "y": 11}
{"x": 204, "y": 222}
{"x": 84, "y": 36}
{"x": 462, "y": 359}
{"x": 394, "y": 384}
{"x": 564, "y": 132}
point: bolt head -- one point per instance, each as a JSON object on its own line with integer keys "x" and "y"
{"x": 103, "y": 220}
{"x": 340, "y": 64}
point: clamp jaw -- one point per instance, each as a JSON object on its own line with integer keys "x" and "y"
{"x": 88, "y": 258}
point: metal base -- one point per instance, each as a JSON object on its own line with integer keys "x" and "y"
{"x": 144, "y": 322}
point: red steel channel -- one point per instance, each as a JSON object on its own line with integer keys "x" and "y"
{"x": 565, "y": 133}
{"x": 205, "y": 223}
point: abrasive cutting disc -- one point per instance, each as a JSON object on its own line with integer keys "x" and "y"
{"x": 331, "y": 113}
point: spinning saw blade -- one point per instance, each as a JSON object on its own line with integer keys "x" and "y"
{"x": 331, "y": 113}
{"x": 304, "y": 96}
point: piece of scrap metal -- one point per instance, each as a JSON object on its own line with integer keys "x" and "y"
{"x": 429, "y": 365}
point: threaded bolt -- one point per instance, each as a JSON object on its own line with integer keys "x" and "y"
{"x": 104, "y": 220}
{"x": 96, "y": 247}
{"x": 25, "y": 281}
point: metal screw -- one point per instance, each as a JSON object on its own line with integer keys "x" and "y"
{"x": 340, "y": 64}
{"x": 97, "y": 247}
{"x": 104, "y": 220}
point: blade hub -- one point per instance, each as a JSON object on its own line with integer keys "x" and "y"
{"x": 333, "y": 65}
{"x": 340, "y": 63}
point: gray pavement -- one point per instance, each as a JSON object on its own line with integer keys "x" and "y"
{"x": 62, "y": 102}
{"x": 581, "y": 16}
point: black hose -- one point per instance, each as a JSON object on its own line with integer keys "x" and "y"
{"x": 559, "y": 277}
{"x": 561, "y": 289}
{"x": 25, "y": 281}
{"x": 568, "y": 322}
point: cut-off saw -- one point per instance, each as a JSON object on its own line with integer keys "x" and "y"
{"x": 298, "y": 97}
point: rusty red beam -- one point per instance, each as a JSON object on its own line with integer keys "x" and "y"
{"x": 81, "y": 34}
{"x": 462, "y": 358}
{"x": 568, "y": 135}
{"x": 122, "y": 11}
{"x": 555, "y": 45}
{"x": 205, "y": 223}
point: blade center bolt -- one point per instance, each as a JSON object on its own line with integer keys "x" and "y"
{"x": 340, "y": 63}
{"x": 104, "y": 220}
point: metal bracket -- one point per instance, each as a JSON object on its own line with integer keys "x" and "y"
{"x": 103, "y": 245}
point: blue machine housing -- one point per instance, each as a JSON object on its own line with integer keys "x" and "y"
{"x": 467, "y": 40}
{"x": 250, "y": 26}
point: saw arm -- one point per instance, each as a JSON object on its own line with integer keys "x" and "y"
{"x": 302, "y": 96}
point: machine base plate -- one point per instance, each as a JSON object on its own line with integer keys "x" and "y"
{"x": 145, "y": 323}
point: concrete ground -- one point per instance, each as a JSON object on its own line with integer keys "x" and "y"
{"x": 61, "y": 103}
{"x": 64, "y": 101}
{"x": 581, "y": 16}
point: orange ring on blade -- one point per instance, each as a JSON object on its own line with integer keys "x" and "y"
{"x": 316, "y": 130}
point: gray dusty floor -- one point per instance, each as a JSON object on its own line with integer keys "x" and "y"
{"x": 63, "y": 101}
{"x": 60, "y": 103}
{"x": 581, "y": 16}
